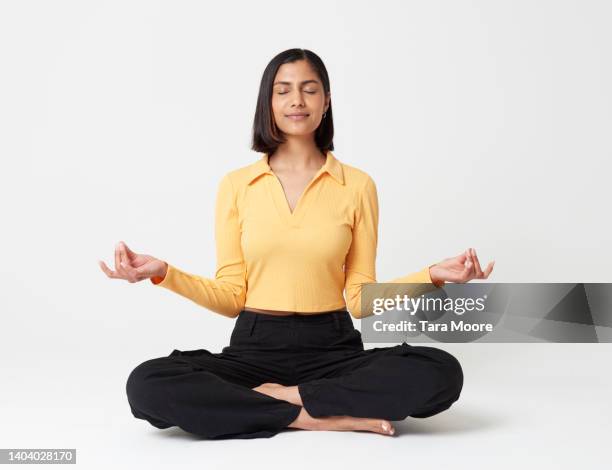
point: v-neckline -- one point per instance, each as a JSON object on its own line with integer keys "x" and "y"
{"x": 291, "y": 218}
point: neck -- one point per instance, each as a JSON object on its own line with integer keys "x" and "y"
{"x": 297, "y": 153}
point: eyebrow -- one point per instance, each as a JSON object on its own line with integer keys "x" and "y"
{"x": 302, "y": 83}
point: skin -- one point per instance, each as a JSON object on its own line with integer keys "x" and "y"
{"x": 295, "y": 162}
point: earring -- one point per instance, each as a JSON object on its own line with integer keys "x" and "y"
{"x": 324, "y": 114}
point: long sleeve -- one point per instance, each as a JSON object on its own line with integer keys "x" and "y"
{"x": 360, "y": 264}
{"x": 226, "y": 293}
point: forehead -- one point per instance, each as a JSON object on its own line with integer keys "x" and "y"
{"x": 296, "y": 72}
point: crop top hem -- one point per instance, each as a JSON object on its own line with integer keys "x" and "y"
{"x": 319, "y": 308}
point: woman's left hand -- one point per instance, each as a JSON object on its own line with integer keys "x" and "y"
{"x": 461, "y": 269}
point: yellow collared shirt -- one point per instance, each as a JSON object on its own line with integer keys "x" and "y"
{"x": 302, "y": 261}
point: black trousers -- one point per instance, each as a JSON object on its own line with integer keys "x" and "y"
{"x": 210, "y": 394}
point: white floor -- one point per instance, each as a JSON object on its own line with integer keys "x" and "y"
{"x": 535, "y": 405}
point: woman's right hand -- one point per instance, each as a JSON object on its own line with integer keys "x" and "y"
{"x": 134, "y": 267}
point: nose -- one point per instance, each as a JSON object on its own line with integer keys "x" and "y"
{"x": 297, "y": 99}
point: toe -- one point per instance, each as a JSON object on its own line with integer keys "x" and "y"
{"x": 387, "y": 427}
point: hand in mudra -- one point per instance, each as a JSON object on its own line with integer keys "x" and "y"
{"x": 461, "y": 269}
{"x": 134, "y": 267}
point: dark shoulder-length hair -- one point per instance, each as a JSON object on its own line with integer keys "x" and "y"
{"x": 266, "y": 135}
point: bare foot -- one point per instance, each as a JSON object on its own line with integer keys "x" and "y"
{"x": 280, "y": 392}
{"x": 342, "y": 423}
{"x": 327, "y": 423}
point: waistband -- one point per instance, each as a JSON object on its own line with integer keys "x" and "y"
{"x": 338, "y": 318}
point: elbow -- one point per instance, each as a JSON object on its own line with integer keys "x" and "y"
{"x": 230, "y": 303}
{"x": 353, "y": 302}
{"x": 355, "y": 308}
{"x": 233, "y": 313}
{"x": 355, "y": 315}
{"x": 239, "y": 303}
{"x": 358, "y": 313}
{"x": 358, "y": 305}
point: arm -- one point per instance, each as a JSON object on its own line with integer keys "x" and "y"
{"x": 360, "y": 265}
{"x": 226, "y": 293}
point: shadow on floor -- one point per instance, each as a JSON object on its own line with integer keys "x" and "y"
{"x": 452, "y": 421}
{"x": 457, "y": 420}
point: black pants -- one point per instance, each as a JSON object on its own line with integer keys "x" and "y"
{"x": 210, "y": 394}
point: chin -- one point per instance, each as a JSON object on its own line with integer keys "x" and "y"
{"x": 293, "y": 132}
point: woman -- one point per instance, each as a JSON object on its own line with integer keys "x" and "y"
{"x": 293, "y": 231}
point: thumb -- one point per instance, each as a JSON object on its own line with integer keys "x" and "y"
{"x": 462, "y": 257}
{"x": 467, "y": 269}
{"x": 129, "y": 252}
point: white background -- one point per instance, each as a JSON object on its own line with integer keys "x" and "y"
{"x": 484, "y": 124}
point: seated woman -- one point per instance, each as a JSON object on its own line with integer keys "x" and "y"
{"x": 296, "y": 239}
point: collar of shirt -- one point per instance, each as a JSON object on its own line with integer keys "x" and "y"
{"x": 332, "y": 166}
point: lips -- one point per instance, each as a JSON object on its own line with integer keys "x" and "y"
{"x": 297, "y": 117}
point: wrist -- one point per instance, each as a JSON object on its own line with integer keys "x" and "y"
{"x": 435, "y": 279}
{"x": 163, "y": 270}
{"x": 161, "y": 274}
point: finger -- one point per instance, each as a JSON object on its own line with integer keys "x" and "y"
{"x": 129, "y": 272}
{"x": 472, "y": 262}
{"x": 468, "y": 270}
{"x": 131, "y": 255}
{"x": 133, "y": 274}
{"x": 489, "y": 269}
{"x": 118, "y": 267}
{"x": 110, "y": 273}
{"x": 125, "y": 260}
{"x": 468, "y": 256}
{"x": 477, "y": 269}
{"x": 125, "y": 264}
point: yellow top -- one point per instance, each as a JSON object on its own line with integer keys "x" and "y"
{"x": 271, "y": 258}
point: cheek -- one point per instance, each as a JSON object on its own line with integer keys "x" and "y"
{"x": 317, "y": 101}
{"x": 316, "y": 104}
{"x": 278, "y": 112}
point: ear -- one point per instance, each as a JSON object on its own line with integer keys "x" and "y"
{"x": 327, "y": 101}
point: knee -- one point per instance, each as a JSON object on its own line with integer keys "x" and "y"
{"x": 443, "y": 382}
{"x": 140, "y": 386}
{"x": 450, "y": 374}
{"x": 441, "y": 372}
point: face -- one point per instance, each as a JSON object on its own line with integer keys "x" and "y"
{"x": 298, "y": 99}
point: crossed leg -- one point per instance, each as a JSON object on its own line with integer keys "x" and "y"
{"x": 390, "y": 383}
{"x": 206, "y": 394}
{"x": 217, "y": 396}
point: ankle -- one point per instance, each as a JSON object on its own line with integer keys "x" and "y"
{"x": 307, "y": 422}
